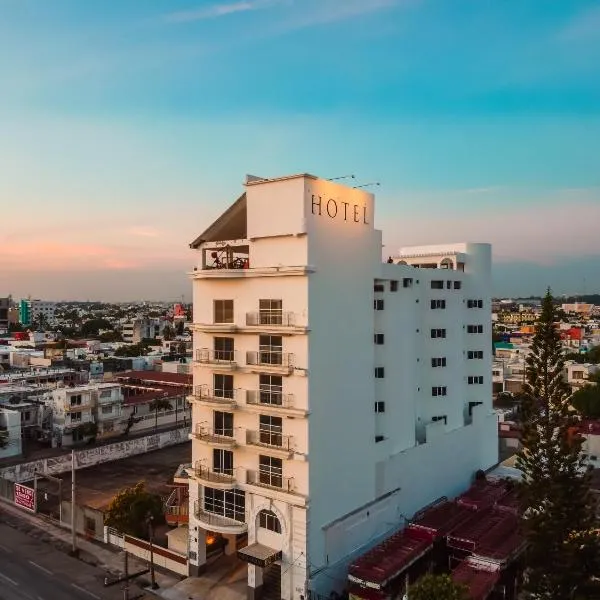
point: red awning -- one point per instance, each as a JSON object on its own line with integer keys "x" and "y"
{"x": 389, "y": 559}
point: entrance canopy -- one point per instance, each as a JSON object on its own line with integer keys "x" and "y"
{"x": 259, "y": 555}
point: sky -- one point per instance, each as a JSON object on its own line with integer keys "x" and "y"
{"x": 127, "y": 127}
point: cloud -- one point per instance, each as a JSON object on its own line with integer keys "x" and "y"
{"x": 218, "y": 10}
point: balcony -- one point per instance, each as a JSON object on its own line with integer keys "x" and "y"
{"x": 275, "y": 442}
{"x": 215, "y": 397}
{"x": 215, "y": 327}
{"x": 217, "y": 523}
{"x": 272, "y": 481}
{"x": 219, "y": 438}
{"x": 270, "y": 361}
{"x": 272, "y": 400}
{"x": 86, "y": 405}
{"x": 222, "y": 359}
{"x": 213, "y": 479}
{"x": 275, "y": 321}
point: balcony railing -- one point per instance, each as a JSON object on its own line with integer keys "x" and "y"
{"x": 271, "y": 480}
{"x": 270, "y": 358}
{"x": 272, "y": 318}
{"x": 216, "y": 396}
{"x": 206, "y": 475}
{"x": 269, "y": 439}
{"x": 78, "y": 407}
{"x": 218, "y": 523}
{"x": 269, "y": 398}
{"x": 216, "y": 357}
{"x": 219, "y": 437}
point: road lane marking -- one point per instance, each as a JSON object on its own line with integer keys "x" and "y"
{"x": 85, "y": 591}
{"x": 6, "y": 578}
{"x": 41, "y": 568}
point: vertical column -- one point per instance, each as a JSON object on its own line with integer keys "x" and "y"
{"x": 198, "y": 543}
{"x": 231, "y": 547}
{"x": 255, "y": 582}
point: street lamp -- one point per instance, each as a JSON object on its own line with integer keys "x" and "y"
{"x": 149, "y": 520}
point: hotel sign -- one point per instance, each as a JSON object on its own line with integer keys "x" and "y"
{"x": 328, "y": 207}
{"x": 25, "y": 497}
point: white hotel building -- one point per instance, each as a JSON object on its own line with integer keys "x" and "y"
{"x": 334, "y": 395}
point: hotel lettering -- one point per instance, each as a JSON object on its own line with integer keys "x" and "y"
{"x": 339, "y": 209}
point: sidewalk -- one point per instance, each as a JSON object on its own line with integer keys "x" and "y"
{"x": 93, "y": 553}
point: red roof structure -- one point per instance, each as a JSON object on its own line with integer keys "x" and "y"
{"x": 441, "y": 518}
{"x": 480, "y": 583}
{"x": 482, "y": 494}
{"x": 156, "y": 377}
{"x": 387, "y": 560}
{"x": 490, "y": 534}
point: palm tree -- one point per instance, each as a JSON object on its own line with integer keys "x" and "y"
{"x": 159, "y": 404}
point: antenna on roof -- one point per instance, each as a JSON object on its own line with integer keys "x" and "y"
{"x": 342, "y": 177}
{"x": 367, "y": 184}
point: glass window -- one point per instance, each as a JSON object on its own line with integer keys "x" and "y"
{"x": 270, "y": 470}
{"x": 270, "y": 312}
{"x": 271, "y": 389}
{"x": 223, "y": 311}
{"x": 223, "y": 423}
{"x": 223, "y": 347}
{"x": 226, "y": 503}
{"x": 270, "y": 430}
{"x": 268, "y": 520}
{"x": 223, "y": 385}
{"x": 223, "y": 461}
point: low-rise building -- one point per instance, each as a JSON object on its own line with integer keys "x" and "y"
{"x": 578, "y": 375}
{"x": 10, "y": 432}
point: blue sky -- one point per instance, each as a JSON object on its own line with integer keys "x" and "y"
{"x": 126, "y": 126}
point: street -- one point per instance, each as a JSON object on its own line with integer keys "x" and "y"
{"x": 35, "y": 570}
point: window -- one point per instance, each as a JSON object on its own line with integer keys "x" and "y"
{"x": 438, "y": 333}
{"x": 438, "y": 362}
{"x": 270, "y": 389}
{"x": 393, "y": 285}
{"x": 439, "y": 391}
{"x": 379, "y": 337}
{"x": 105, "y": 393}
{"x": 378, "y": 304}
{"x": 379, "y": 438}
{"x": 89, "y": 525}
{"x": 475, "y": 355}
{"x": 474, "y": 328}
{"x": 474, "y": 303}
{"x": 107, "y": 410}
{"x": 270, "y": 471}
{"x": 223, "y": 386}
{"x": 440, "y": 418}
{"x": 577, "y": 374}
{"x": 223, "y": 423}
{"x": 76, "y": 400}
{"x": 270, "y": 430}
{"x": 227, "y": 503}
{"x": 223, "y": 347}
{"x": 76, "y": 416}
{"x": 438, "y": 304}
{"x": 270, "y": 312}
{"x": 448, "y": 285}
{"x": 407, "y": 282}
{"x": 475, "y": 380}
{"x": 268, "y": 520}
{"x": 378, "y": 287}
{"x": 457, "y": 285}
{"x": 270, "y": 349}
{"x": 437, "y": 284}
{"x": 223, "y": 461}
{"x": 379, "y": 407}
{"x": 222, "y": 311}
{"x": 379, "y": 372}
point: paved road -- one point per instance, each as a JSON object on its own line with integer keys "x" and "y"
{"x": 34, "y": 570}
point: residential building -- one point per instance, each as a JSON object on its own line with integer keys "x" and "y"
{"x": 10, "y": 432}
{"x": 578, "y": 375}
{"x": 136, "y": 330}
{"x": 333, "y": 393}
{"x": 32, "y": 310}
{"x": 4, "y": 308}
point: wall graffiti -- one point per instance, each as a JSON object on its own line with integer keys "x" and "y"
{"x": 94, "y": 456}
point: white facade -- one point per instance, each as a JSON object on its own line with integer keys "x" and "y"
{"x": 41, "y": 308}
{"x": 336, "y": 393}
{"x": 10, "y": 432}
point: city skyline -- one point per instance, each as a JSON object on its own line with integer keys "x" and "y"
{"x": 126, "y": 131}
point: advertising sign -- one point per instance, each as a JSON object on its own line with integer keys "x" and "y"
{"x": 25, "y": 496}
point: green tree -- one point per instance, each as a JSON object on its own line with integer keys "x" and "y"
{"x": 93, "y": 326}
{"x": 586, "y": 401}
{"x": 129, "y": 510}
{"x": 168, "y": 333}
{"x": 437, "y": 587}
{"x": 557, "y": 505}
{"x": 159, "y": 404}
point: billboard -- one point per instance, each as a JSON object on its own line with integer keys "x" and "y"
{"x": 25, "y": 496}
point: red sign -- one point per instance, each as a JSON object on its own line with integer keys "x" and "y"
{"x": 25, "y": 496}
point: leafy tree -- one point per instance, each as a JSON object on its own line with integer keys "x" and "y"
{"x": 168, "y": 333}
{"x": 557, "y": 505}
{"x": 93, "y": 326}
{"x": 179, "y": 327}
{"x": 586, "y": 401}
{"x": 132, "y": 350}
{"x": 129, "y": 510}
{"x": 111, "y": 336}
{"x": 437, "y": 587}
{"x": 159, "y": 404}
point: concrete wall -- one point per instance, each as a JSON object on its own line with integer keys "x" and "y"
{"x": 94, "y": 456}
{"x": 88, "y": 521}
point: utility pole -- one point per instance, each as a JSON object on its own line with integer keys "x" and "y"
{"x": 153, "y": 585}
{"x": 126, "y": 572}
{"x": 73, "y": 506}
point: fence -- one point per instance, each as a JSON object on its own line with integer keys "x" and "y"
{"x": 162, "y": 557}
